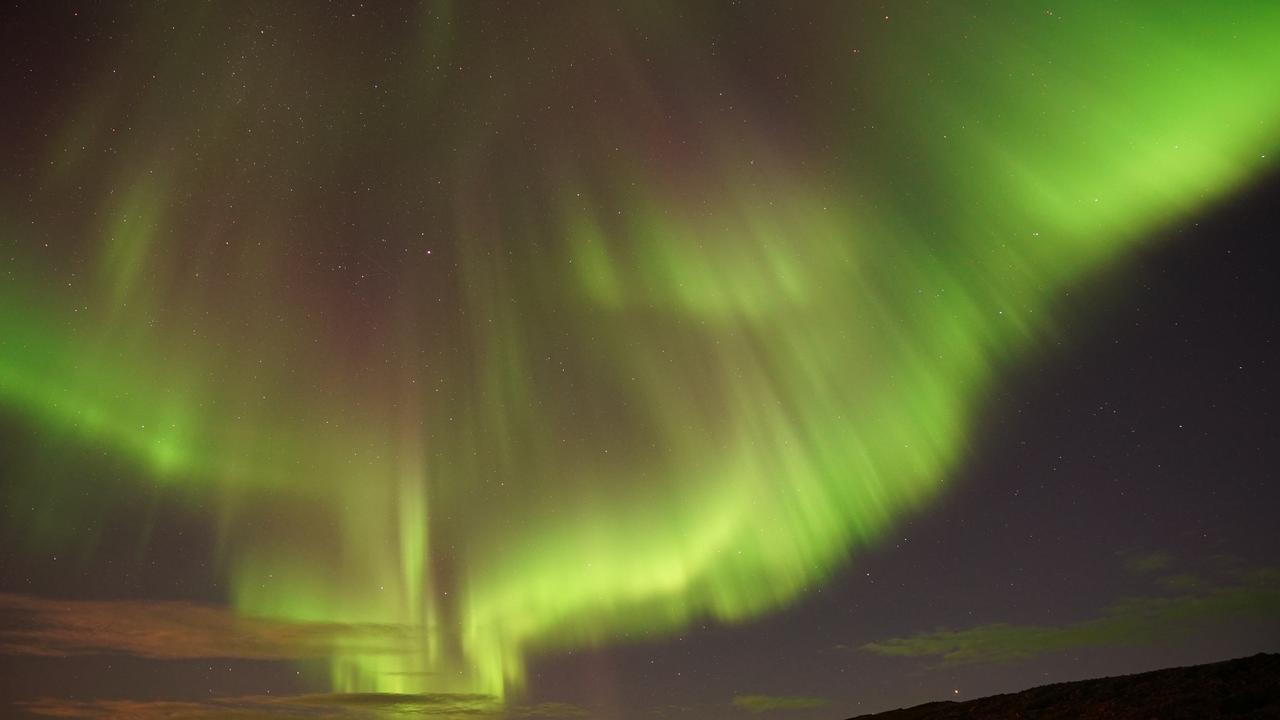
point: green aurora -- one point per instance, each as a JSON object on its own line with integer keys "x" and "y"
{"x": 525, "y": 345}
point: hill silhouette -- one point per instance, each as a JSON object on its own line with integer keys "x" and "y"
{"x": 1242, "y": 688}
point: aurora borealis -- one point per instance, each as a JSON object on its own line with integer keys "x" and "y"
{"x": 471, "y": 334}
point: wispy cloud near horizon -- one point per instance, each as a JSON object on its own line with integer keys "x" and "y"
{"x": 1130, "y": 621}
{"x": 766, "y": 703}
{"x": 170, "y": 630}
{"x": 369, "y": 706}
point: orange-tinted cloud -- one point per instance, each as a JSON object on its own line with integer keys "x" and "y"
{"x": 265, "y": 707}
{"x": 180, "y": 630}
{"x": 173, "y": 630}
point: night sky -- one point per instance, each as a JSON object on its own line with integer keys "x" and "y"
{"x": 655, "y": 360}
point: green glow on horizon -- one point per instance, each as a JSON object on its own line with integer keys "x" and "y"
{"x": 676, "y": 394}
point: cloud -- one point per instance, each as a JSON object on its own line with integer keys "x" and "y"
{"x": 173, "y": 630}
{"x": 1147, "y": 562}
{"x": 179, "y": 630}
{"x": 122, "y": 709}
{"x": 1129, "y": 622}
{"x": 365, "y": 705}
{"x": 369, "y": 706}
{"x": 547, "y": 710}
{"x": 765, "y": 703}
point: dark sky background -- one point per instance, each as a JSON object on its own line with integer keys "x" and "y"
{"x": 363, "y": 262}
